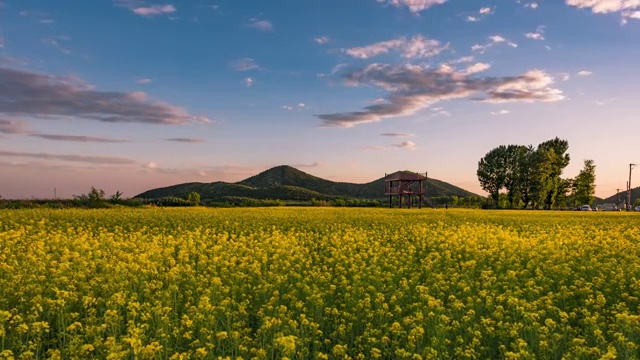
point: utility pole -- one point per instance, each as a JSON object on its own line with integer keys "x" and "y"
{"x": 618, "y": 196}
{"x": 629, "y": 188}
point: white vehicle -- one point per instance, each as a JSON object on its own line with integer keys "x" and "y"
{"x": 637, "y": 208}
{"x": 585, "y": 208}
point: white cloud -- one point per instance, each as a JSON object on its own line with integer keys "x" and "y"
{"x": 415, "y": 6}
{"x": 501, "y": 112}
{"x": 534, "y": 35}
{"x": 584, "y": 73}
{"x": 321, "y": 40}
{"x": 248, "y": 82}
{"x": 154, "y": 10}
{"x": 606, "y": 6}
{"x": 416, "y": 47}
{"x": 262, "y": 25}
{"x": 245, "y": 64}
{"x": 302, "y": 105}
{"x": 497, "y": 39}
{"x": 287, "y": 107}
{"x": 464, "y": 59}
{"x": 412, "y": 88}
{"x": 472, "y": 18}
{"x": 532, "y": 5}
{"x": 476, "y": 68}
{"x": 485, "y": 11}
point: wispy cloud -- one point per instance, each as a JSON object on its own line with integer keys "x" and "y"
{"x": 415, "y": 6}
{"x": 415, "y": 47}
{"x": 186, "y": 140}
{"x": 409, "y": 145}
{"x": 493, "y": 40}
{"x": 77, "y": 138}
{"x": 262, "y": 25}
{"x": 70, "y": 158}
{"x": 56, "y": 43}
{"x": 139, "y": 7}
{"x": 584, "y": 73}
{"x": 245, "y": 64}
{"x": 155, "y": 10}
{"x": 531, "y": 5}
{"x": 29, "y": 94}
{"x": 248, "y": 82}
{"x": 143, "y": 81}
{"x": 480, "y": 15}
{"x": 308, "y": 166}
{"x": 500, "y": 112}
{"x": 536, "y": 35}
{"x": 321, "y": 40}
{"x": 13, "y": 127}
{"x": 2, "y": 41}
{"x": 412, "y": 88}
{"x": 397, "y": 134}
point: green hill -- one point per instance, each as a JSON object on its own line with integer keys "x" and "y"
{"x": 288, "y": 183}
{"x": 635, "y": 194}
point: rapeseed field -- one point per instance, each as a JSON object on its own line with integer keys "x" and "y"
{"x": 318, "y": 283}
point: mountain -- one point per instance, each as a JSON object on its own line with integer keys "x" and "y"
{"x": 288, "y": 183}
{"x": 622, "y": 196}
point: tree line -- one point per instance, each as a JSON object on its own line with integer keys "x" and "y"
{"x": 532, "y": 176}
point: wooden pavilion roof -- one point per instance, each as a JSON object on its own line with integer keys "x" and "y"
{"x": 405, "y": 176}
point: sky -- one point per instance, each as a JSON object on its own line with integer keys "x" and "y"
{"x": 129, "y": 95}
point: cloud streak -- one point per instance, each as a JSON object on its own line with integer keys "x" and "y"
{"x": 412, "y": 88}
{"x": 154, "y": 10}
{"x": 262, "y": 25}
{"x": 70, "y": 158}
{"x": 629, "y": 9}
{"x": 186, "y": 140}
{"x": 77, "y": 138}
{"x": 29, "y": 94}
{"x": 245, "y": 64}
{"x": 12, "y": 127}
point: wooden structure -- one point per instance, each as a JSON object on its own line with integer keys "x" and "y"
{"x": 405, "y": 183}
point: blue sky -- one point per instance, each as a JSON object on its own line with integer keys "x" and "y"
{"x": 133, "y": 94}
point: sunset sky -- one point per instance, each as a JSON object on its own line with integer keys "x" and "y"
{"x": 134, "y": 94}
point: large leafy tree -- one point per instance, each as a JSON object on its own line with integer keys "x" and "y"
{"x": 492, "y": 172}
{"x": 558, "y": 159}
{"x": 585, "y": 183}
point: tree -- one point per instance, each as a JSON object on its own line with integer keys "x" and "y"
{"x": 558, "y": 161}
{"x": 116, "y": 197}
{"x": 492, "y": 172}
{"x": 194, "y": 198}
{"x": 585, "y": 183}
{"x": 515, "y": 156}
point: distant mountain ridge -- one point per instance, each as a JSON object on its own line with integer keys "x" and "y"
{"x": 288, "y": 183}
{"x": 622, "y": 196}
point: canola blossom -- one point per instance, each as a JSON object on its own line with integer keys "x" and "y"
{"x": 318, "y": 283}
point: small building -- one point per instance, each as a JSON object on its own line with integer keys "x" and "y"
{"x": 405, "y": 184}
